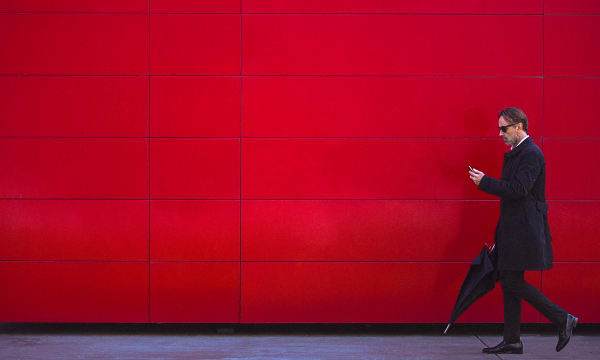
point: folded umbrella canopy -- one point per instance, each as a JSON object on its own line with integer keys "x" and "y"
{"x": 480, "y": 280}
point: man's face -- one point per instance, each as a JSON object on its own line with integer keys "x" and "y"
{"x": 510, "y": 137}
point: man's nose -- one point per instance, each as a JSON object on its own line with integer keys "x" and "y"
{"x": 499, "y": 132}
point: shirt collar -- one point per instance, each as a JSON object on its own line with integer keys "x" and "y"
{"x": 523, "y": 139}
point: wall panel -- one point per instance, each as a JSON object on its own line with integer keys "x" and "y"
{"x": 187, "y": 292}
{"x": 342, "y": 292}
{"x": 195, "y": 169}
{"x": 365, "y": 168}
{"x": 350, "y": 230}
{"x": 383, "y": 106}
{"x": 572, "y": 45}
{"x": 186, "y": 106}
{"x": 562, "y": 157}
{"x": 74, "y": 292}
{"x": 186, "y": 230}
{"x": 71, "y": 44}
{"x": 73, "y": 168}
{"x": 74, "y": 5}
{"x": 574, "y": 226}
{"x": 73, "y": 106}
{"x": 390, "y": 44}
{"x": 392, "y": 6}
{"x": 195, "y": 44}
{"x": 195, "y": 6}
{"x": 571, "y": 7}
{"x": 73, "y": 230}
{"x": 574, "y": 286}
{"x": 570, "y": 109}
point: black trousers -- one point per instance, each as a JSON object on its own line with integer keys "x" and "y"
{"x": 514, "y": 289}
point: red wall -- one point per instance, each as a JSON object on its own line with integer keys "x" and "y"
{"x": 264, "y": 161}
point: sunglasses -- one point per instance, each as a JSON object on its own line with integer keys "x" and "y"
{"x": 505, "y": 127}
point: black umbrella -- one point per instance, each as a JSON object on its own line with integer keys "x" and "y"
{"x": 480, "y": 280}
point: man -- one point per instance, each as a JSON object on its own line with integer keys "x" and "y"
{"x": 522, "y": 235}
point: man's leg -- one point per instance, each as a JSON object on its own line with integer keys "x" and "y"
{"x": 513, "y": 282}
{"x": 511, "y": 344}
{"x": 512, "y": 305}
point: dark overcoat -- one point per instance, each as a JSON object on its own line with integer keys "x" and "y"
{"x": 522, "y": 235}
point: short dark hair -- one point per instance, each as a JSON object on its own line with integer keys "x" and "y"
{"x": 514, "y": 115}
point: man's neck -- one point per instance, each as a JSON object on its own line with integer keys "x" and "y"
{"x": 524, "y": 136}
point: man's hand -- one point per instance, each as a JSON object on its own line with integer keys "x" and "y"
{"x": 476, "y": 176}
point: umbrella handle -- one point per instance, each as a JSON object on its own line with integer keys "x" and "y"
{"x": 447, "y": 327}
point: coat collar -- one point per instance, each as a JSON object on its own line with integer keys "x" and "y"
{"x": 514, "y": 152}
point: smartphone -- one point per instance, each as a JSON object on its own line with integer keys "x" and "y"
{"x": 470, "y": 168}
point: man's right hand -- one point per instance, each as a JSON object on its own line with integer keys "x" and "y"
{"x": 476, "y": 176}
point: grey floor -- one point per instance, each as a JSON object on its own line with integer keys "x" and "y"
{"x": 68, "y": 341}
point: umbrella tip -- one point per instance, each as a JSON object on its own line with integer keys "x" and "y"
{"x": 447, "y": 327}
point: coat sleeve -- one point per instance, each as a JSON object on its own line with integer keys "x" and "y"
{"x": 520, "y": 185}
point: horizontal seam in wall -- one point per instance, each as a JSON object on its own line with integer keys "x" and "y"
{"x": 100, "y": 138}
{"x": 432, "y": 76}
{"x": 121, "y": 261}
{"x": 570, "y": 200}
{"x": 243, "y": 261}
{"x": 276, "y": 261}
{"x": 362, "y": 261}
{"x": 398, "y": 13}
{"x": 346, "y": 76}
{"x": 145, "y": 13}
{"x": 252, "y": 199}
{"x": 86, "y": 261}
{"x": 81, "y": 199}
{"x": 391, "y": 13}
{"x": 320, "y": 261}
{"x": 394, "y": 261}
{"x": 277, "y": 199}
{"x": 570, "y": 138}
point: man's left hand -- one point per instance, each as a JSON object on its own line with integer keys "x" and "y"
{"x": 476, "y": 176}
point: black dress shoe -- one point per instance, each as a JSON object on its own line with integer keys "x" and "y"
{"x": 505, "y": 348}
{"x": 564, "y": 335}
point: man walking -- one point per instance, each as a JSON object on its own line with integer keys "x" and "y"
{"x": 522, "y": 235}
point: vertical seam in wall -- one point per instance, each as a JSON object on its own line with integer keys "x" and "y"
{"x": 240, "y": 249}
{"x": 539, "y": 320}
{"x": 543, "y": 72}
{"x": 539, "y": 315}
{"x": 148, "y": 139}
